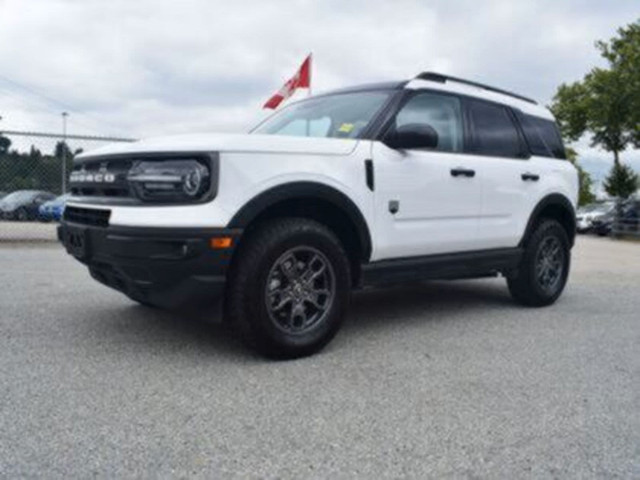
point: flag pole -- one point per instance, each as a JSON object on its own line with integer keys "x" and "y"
{"x": 310, "y": 73}
{"x": 309, "y": 90}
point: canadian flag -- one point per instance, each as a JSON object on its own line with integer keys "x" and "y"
{"x": 302, "y": 79}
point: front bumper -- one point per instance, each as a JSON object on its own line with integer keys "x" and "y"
{"x": 160, "y": 266}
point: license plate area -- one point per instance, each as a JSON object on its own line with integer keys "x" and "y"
{"x": 76, "y": 241}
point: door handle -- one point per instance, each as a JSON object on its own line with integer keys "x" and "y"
{"x": 530, "y": 177}
{"x": 462, "y": 172}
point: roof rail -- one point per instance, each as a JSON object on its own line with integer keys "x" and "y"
{"x": 440, "y": 78}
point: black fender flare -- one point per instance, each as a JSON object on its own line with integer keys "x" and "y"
{"x": 553, "y": 200}
{"x": 301, "y": 191}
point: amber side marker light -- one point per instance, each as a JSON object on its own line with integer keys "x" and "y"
{"x": 220, "y": 243}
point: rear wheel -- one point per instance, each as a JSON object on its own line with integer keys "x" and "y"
{"x": 289, "y": 290}
{"x": 544, "y": 268}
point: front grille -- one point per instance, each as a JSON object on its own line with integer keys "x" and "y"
{"x": 87, "y": 216}
{"x": 101, "y": 178}
{"x": 110, "y": 179}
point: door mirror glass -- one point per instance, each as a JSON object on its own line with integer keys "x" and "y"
{"x": 411, "y": 136}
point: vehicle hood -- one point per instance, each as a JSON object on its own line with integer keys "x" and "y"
{"x": 230, "y": 143}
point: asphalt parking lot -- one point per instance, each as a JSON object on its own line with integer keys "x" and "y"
{"x": 443, "y": 379}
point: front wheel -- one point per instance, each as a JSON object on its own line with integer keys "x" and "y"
{"x": 22, "y": 215}
{"x": 544, "y": 268}
{"x": 290, "y": 287}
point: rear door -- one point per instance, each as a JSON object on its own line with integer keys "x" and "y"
{"x": 511, "y": 180}
{"x": 427, "y": 201}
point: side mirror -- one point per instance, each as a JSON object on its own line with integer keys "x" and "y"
{"x": 413, "y": 135}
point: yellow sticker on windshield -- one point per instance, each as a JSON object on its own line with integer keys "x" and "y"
{"x": 346, "y": 127}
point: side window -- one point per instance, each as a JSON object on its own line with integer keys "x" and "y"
{"x": 443, "y": 113}
{"x": 549, "y": 135}
{"x": 537, "y": 145}
{"x": 494, "y": 132}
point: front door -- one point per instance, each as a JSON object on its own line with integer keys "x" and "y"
{"x": 427, "y": 201}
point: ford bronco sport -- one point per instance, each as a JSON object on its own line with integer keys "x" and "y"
{"x": 432, "y": 178}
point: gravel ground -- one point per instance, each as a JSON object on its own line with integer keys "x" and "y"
{"x": 438, "y": 380}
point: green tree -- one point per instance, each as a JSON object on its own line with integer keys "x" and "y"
{"x": 32, "y": 169}
{"x": 605, "y": 104}
{"x": 61, "y": 149}
{"x": 598, "y": 105}
{"x": 623, "y": 54}
{"x": 586, "y": 195}
{"x": 5, "y": 145}
{"x": 622, "y": 181}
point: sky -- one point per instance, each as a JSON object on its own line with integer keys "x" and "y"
{"x": 154, "y": 67}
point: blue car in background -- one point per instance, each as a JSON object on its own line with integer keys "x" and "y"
{"x": 53, "y": 209}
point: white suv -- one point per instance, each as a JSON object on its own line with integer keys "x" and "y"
{"x": 436, "y": 177}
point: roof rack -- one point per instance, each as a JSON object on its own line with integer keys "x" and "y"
{"x": 440, "y": 78}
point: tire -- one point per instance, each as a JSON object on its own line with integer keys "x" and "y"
{"x": 542, "y": 275}
{"x": 22, "y": 215}
{"x": 288, "y": 293}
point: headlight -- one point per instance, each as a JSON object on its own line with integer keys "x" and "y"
{"x": 170, "y": 180}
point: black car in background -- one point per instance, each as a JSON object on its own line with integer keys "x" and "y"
{"x": 23, "y": 204}
{"x": 629, "y": 219}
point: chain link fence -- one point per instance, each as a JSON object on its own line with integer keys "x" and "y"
{"x": 34, "y": 168}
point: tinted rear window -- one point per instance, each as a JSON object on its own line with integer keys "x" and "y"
{"x": 543, "y": 137}
{"x": 494, "y": 132}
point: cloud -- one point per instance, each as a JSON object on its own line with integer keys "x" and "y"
{"x": 154, "y": 67}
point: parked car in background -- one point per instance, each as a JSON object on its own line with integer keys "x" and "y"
{"x": 586, "y": 215}
{"x": 23, "y": 204}
{"x": 629, "y": 219}
{"x": 53, "y": 209}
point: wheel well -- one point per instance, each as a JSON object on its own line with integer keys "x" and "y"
{"x": 556, "y": 209}
{"x": 324, "y": 212}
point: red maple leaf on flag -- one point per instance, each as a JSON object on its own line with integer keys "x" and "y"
{"x": 302, "y": 79}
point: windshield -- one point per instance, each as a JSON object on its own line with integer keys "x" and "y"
{"x": 344, "y": 115}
